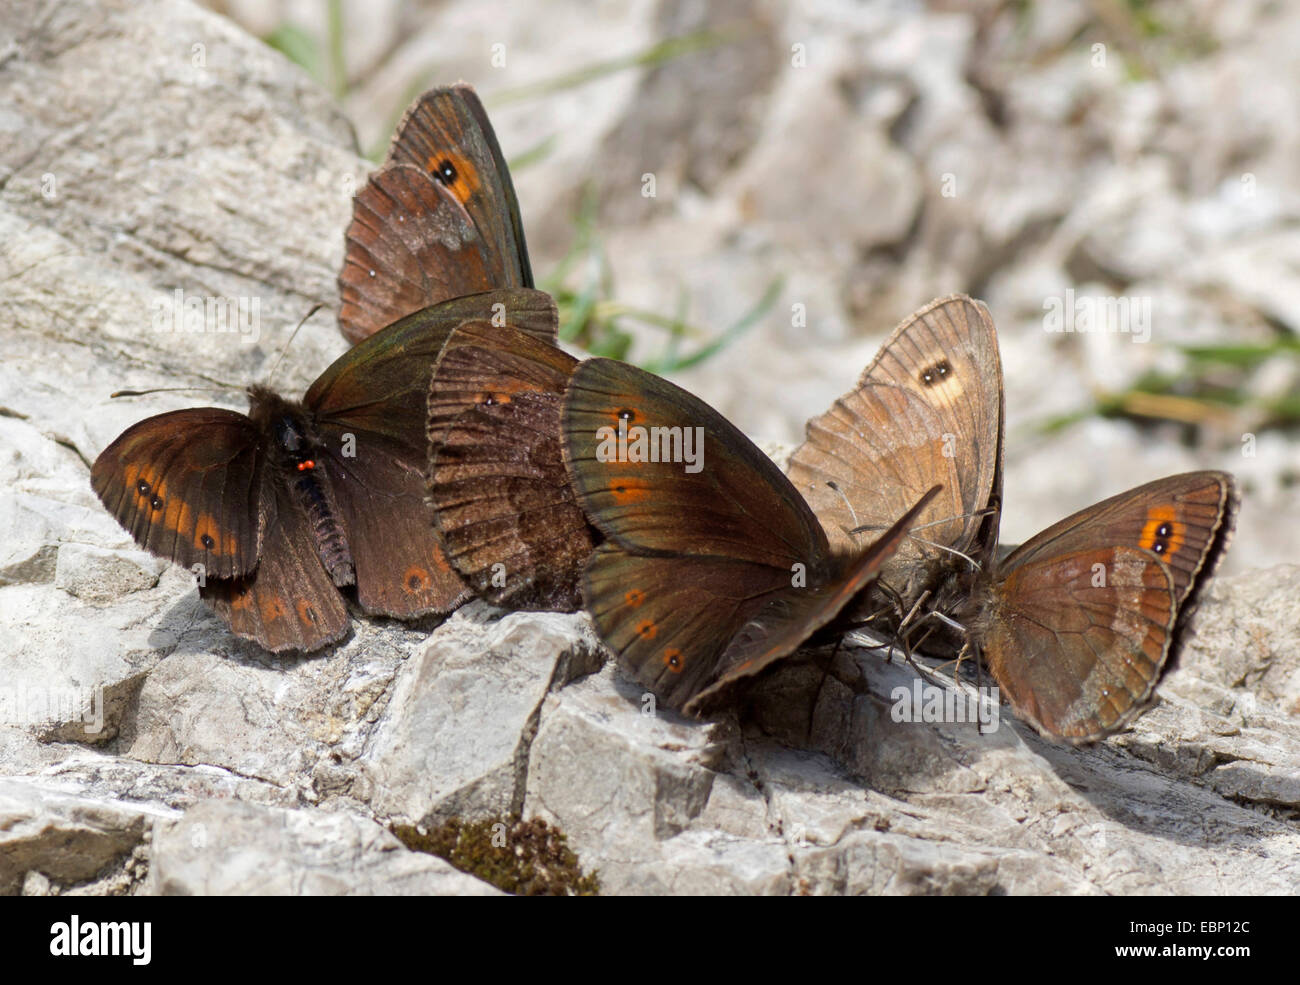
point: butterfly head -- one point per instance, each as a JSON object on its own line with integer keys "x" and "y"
{"x": 287, "y": 426}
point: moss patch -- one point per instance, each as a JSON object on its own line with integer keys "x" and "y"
{"x": 527, "y": 858}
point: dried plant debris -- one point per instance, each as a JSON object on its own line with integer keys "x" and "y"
{"x": 527, "y": 858}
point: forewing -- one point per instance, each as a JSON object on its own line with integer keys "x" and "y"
{"x": 187, "y": 486}
{"x": 729, "y": 501}
{"x": 447, "y": 134}
{"x": 410, "y": 244}
{"x": 1186, "y": 520}
{"x": 928, "y": 410}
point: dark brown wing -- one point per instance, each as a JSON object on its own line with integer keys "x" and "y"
{"x": 401, "y": 569}
{"x": 187, "y": 486}
{"x": 289, "y": 602}
{"x": 1087, "y": 614}
{"x": 447, "y": 133}
{"x": 928, "y": 410}
{"x": 381, "y": 385}
{"x": 410, "y": 244}
{"x": 500, "y": 494}
{"x": 440, "y": 220}
{"x": 696, "y": 547}
{"x": 785, "y": 623}
{"x": 370, "y": 409}
{"x": 733, "y": 502}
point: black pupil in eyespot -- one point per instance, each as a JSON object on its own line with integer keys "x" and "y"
{"x": 1164, "y": 530}
{"x": 446, "y": 172}
{"x": 935, "y": 373}
{"x": 626, "y": 415}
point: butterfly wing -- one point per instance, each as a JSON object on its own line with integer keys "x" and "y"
{"x": 695, "y": 549}
{"x": 447, "y": 134}
{"x": 787, "y": 622}
{"x": 188, "y": 487}
{"x": 410, "y": 244}
{"x": 501, "y": 498}
{"x": 928, "y": 410}
{"x": 439, "y": 221}
{"x": 370, "y": 408}
{"x": 1085, "y": 615}
{"x": 289, "y": 602}
{"x": 1184, "y": 520}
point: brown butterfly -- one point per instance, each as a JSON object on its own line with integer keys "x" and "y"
{"x": 278, "y": 509}
{"x": 438, "y": 221}
{"x": 1078, "y": 624}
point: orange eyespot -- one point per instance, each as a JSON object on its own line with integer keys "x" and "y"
{"x": 306, "y": 614}
{"x": 1163, "y": 534}
{"x": 646, "y": 629}
{"x": 306, "y": 466}
{"x": 456, "y": 173}
{"x": 634, "y": 597}
{"x": 674, "y": 660}
{"x": 629, "y": 489}
{"x": 415, "y": 579}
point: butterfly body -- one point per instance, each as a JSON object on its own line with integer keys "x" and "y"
{"x": 296, "y": 456}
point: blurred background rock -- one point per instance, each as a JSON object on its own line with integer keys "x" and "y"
{"x": 821, "y": 168}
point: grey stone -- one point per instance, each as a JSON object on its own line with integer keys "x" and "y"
{"x": 95, "y": 574}
{"x": 495, "y": 675}
{"x": 226, "y": 848}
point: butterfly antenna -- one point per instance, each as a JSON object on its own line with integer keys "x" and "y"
{"x": 217, "y": 387}
{"x": 934, "y": 523}
{"x": 285, "y": 347}
{"x": 852, "y": 512}
{"x": 975, "y": 565}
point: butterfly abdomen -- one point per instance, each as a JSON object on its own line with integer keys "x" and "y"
{"x": 332, "y": 544}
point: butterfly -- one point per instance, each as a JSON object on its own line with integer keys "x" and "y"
{"x": 438, "y": 221}
{"x": 278, "y": 509}
{"x": 1079, "y": 623}
{"x": 705, "y": 566}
